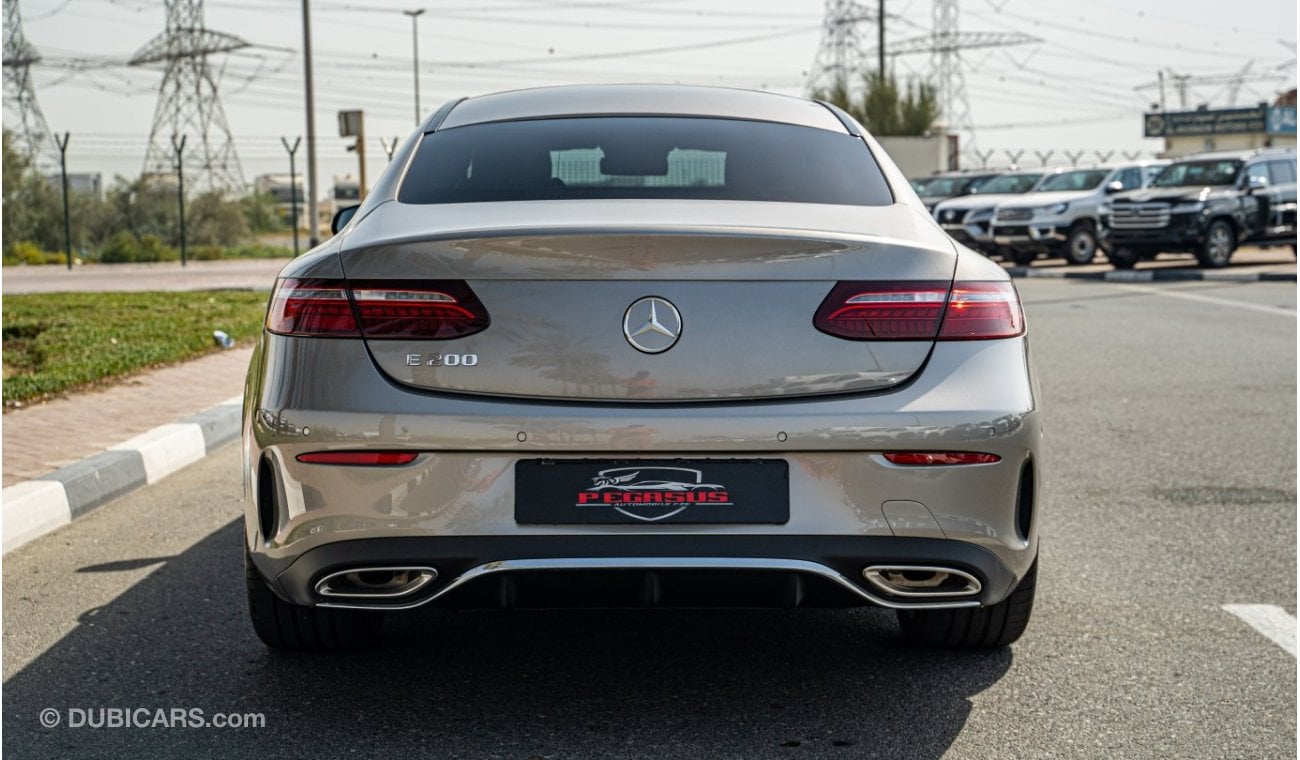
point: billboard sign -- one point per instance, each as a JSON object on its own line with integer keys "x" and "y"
{"x": 1224, "y": 121}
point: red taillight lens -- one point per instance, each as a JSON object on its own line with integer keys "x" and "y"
{"x": 311, "y": 307}
{"x": 431, "y": 310}
{"x": 435, "y": 310}
{"x": 940, "y": 457}
{"x": 883, "y": 310}
{"x": 979, "y": 310}
{"x": 363, "y": 458}
{"x": 921, "y": 311}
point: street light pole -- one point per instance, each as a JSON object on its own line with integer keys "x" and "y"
{"x": 415, "y": 56}
{"x": 179, "y": 146}
{"x": 313, "y": 213}
{"x": 63, "y": 173}
{"x": 293, "y": 188}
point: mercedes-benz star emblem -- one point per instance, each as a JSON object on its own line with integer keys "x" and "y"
{"x": 652, "y": 325}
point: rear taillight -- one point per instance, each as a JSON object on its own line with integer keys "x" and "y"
{"x": 435, "y": 310}
{"x": 921, "y": 311}
{"x": 979, "y": 310}
{"x": 883, "y": 311}
{"x": 311, "y": 307}
{"x": 924, "y": 458}
{"x": 359, "y": 458}
{"x": 430, "y": 310}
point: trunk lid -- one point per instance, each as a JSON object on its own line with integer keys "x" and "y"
{"x": 558, "y": 287}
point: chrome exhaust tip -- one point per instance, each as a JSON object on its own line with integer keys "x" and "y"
{"x": 921, "y": 580}
{"x": 375, "y": 583}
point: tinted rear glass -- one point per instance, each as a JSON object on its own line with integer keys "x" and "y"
{"x": 1085, "y": 179}
{"x": 643, "y": 157}
{"x": 1010, "y": 183}
{"x": 1198, "y": 173}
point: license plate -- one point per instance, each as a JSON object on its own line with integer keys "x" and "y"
{"x": 586, "y": 491}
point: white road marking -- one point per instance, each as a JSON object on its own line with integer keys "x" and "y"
{"x": 1275, "y": 310}
{"x": 1273, "y": 622}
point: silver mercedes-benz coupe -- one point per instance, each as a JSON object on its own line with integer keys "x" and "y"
{"x": 641, "y": 346}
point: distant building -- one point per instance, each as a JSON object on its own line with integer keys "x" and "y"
{"x": 284, "y": 189}
{"x": 79, "y": 184}
{"x": 1206, "y": 129}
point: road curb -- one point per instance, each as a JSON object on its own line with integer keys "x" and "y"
{"x": 35, "y": 507}
{"x": 1152, "y": 275}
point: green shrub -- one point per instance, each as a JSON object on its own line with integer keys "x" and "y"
{"x": 207, "y": 253}
{"x": 152, "y": 248}
{"x": 122, "y": 248}
{"x": 25, "y": 252}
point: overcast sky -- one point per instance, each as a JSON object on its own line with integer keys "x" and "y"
{"x": 1074, "y": 90}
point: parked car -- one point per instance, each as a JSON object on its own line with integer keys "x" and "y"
{"x": 941, "y": 187}
{"x": 1206, "y": 205}
{"x": 568, "y": 352}
{"x": 1059, "y": 217}
{"x": 968, "y": 219}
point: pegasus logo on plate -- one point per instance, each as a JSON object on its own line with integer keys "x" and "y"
{"x": 652, "y": 325}
{"x": 652, "y": 493}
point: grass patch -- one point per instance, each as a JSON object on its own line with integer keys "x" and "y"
{"x": 54, "y": 342}
{"x": 124, "y": 247}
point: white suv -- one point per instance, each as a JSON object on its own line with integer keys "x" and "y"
{"x": 1059, "y": 216}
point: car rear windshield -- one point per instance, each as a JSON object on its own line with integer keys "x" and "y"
{"x": 1084, "y": 179}
{"x": 947, "y": 187}
{"x": 643, "y": 157}
{"x": 1198, "y": 174}
{"x": 1009, "y": 183}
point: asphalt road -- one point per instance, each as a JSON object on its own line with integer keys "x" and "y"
{"x": 1170, "y": 412}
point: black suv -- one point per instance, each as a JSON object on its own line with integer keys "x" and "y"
{"x": 1205, "y": 204}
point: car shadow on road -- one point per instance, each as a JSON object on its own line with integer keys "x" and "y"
{"x": 521, "y": 684}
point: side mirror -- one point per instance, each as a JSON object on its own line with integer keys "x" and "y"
{"x": 342, "y": 217}
{"x": 1114, "y": 187}
{"x": 1255, "y": 182}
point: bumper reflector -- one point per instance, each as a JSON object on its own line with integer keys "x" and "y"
{"x": 363, "y": 458}
{"x": 924, "y": 458}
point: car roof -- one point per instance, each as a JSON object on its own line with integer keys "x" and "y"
{"x": 1239, "y": 155}
{"x": 963, "y": 173}
{"x": 640, "y": 100}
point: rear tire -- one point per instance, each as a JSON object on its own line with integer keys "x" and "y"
{"x": 1081, "y": 244}
{"x": 296, "y": 628}
{"x": 1216, "y": 249}
{"x": 980, "y": 628}
{"x": 1122, "y": 258}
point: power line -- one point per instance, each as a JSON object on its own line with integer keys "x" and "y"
{"x": 840, "y": 60}
{"x": 1085, "y": 30}
{"x": 188, "y": 101}
{"x": 629, "y": 53}
{"x": 33, "y": 136}
{"x": 947, "y": 71}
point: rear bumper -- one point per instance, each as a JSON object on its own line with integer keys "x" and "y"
{"x": 642, "y": 571}
{"x": 453, "y": 507}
